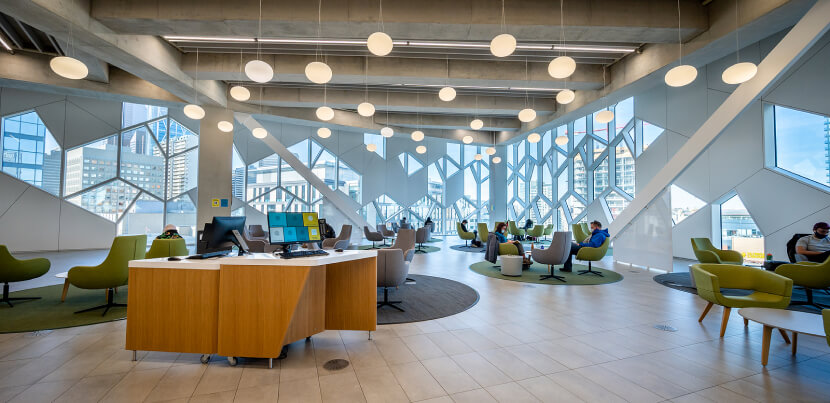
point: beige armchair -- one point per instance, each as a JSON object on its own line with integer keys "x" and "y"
{"x": 255, "y": 231}
{"x": 405, "y": 242}
{"x": 341, "y": 241}
{"x": 392, "y": 270}
{"x": 387, "y": 233}
{"x": 372, "y": 236}
{"x": 421, "y": 236}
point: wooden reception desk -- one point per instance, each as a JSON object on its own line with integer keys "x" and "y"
{"x": 248, "y": 306}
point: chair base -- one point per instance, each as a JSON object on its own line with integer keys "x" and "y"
{"x": 551, "y": 275}
{"x": 420, "y": 249}
{"x": 387, "y": 302}
{"x": 106, "y": 307}
{"x": 8, "y": 299}
{"x": 581, "y": 272}
{"x": 809, "y": 301}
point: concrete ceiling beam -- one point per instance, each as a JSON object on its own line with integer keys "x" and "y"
{"x": 413, "y": 122}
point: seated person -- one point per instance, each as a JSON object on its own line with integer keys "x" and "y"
{"x": 816, "y": 247}
{"x": 329, "y": 232}
{"x": 476, "y": 242}
{"x": 500, "y": 229}
{"x": 170, "y": 232}
{"x": 596, "y": 239}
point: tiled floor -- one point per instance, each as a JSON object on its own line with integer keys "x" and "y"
{"x": 521, "y": 342}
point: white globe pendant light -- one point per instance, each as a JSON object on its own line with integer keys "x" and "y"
{"x": 565, "y": 97}
{"x": 447, "y": 94}
{"x": 259, "y": 132}
{"x": 365, "y": 109}
{"x": 325, "y": 113}
{"x": 417, "y": 135}
{"x": 467, "y": 139}
{"x": 561, "y": 140}
{"x": 194, "y": 112}
{"x": 681, "y": 75}
{"x": 420, "y": 149}
{"x": 371, "y": 147}
{"x": 225, "y": 126}
{"x": 527, "y": 115}
{"x": 259, "y": 71}
{"x": 478, "y": 157}
{"x": 739, "y": 73}
{"x": 496, "y": 160}
{"x": 604, "y": 116}
{"x": 476, "y": 124}
{"x": 533, "y": 138}
{"x": 490, "y": 150}
{"x": 379, "y": 43}
{"x": 240, "y": 93}
{"x": 503, "y": 45}
{"x": 318, "y": 72}
{"x": 68, "y": 67}
{"x": 387, "y": 132}
{"x": 324, "y": 132}
{"x": 562, "y": 67}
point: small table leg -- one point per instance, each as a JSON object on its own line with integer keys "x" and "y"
{"x": 795, "y": 342}
{"x": 65, "y": 289}
{"x": 765, "y": 347}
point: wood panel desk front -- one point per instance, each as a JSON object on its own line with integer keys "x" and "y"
{"x": 248, "y": 306}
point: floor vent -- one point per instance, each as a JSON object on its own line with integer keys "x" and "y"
{"x": 665, "y": 328}
{"x": 337, "y": 364}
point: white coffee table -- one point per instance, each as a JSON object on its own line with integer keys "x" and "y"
{"x": 794, "y": 321}
{"x": 511, "y": 265}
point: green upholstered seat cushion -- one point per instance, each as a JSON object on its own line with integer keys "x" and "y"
{"x": 13, "y": 270}
{"x": 464, "y": 234}
{"x": 807, "y": 274}
{"x": 710, "y": 278}
{"x": 167, "y": 248}
{"x": 113, "y": 272}
{"x": 758, "y": 300}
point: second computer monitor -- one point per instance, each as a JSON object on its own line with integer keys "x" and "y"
{"x": 288, "y": 228}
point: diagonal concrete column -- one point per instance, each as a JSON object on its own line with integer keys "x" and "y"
{"x": 811, "y": 27}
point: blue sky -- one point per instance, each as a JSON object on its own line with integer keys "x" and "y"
{"x": 799, "y": 138}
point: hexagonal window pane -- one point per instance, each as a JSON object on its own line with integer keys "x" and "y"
{"x": 600, "y": 129}
{"x": 325, "y": 167}
{"x": 543, "y": 207}
{"x": 521, "y": 148}
{"x": 159, "y": 129}
{"x": 181, "y": 138}
{"x": 547, "y": 182}
{"x": 624, "y": 169}
{"x": 142, "y": 162}
{"x": 579, "y": 130}
{"x": 435, "y": 184}
{"x": 601, "y": 177}
{"x": 91, "y": 164}
{"x": 181, "y": 212}
{"x": 562, "y": 185}
{"x": 133, "y": 114}
{"x": 30, "y": 152}
{"x": 518, "y": 208}
{"x": 616, "y": 203}
{"x": 575, "y": 206}
{"x": 108, "y": 201}
{"x": 182, "y": 171}
{"x": 683, "y": 204}
{"x": 739, "y": 232}
{"x": 623, "y": 112}
{"x": 580, "y": 177}
{"x": 146, "y": 216}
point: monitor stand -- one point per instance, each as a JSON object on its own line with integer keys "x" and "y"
{"x": 240, "y": 243}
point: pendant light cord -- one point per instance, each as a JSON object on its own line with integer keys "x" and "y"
{"x": 196, "y": 93}
{"x": 679, "y": 40}
{"x": 737, "y": 28}
{"x": 380, "y": 6}
{"x": 319, "y": 28}
{"x": 503, "y": 20}
{"x": 562, "y": 51}
{"x": 259, "y": 34}
{"x": 366, "y": 79}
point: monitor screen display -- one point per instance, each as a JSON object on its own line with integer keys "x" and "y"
{"x": 293, "y": 227}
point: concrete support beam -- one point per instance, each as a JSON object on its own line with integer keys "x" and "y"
{"x": 446, "y": 121}
{"x": 590, "y": 20}
{"x": 397, "y": 70}
{"x": 98, "y": 69}
{"x": 148, "y": 57}
{"x": 811, "y": 27}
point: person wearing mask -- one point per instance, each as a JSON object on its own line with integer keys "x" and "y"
{"x": 598, "y": 236}
{"x": 815, "y": 247}
{"x": 170, "y": 232}
{"x": 500, "y": 235}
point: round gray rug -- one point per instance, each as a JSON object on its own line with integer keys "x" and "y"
{"x": 426, "y": 299}
{"x": 463, "y": 248}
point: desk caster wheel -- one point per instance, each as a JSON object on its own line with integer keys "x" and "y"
{"x": 204, "y": 358}
{"x": 232, "y": 361}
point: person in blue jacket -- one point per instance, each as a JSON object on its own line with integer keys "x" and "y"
{"x": 596, "y": 239}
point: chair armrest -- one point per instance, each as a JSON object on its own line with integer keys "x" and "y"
{"x": 726, "y": 255}
{"x": 707, "y": 256}
{"x": 805, "y": 275}
{"x": 341, "y": 244}
{"x": 328, "y": 243}
{"x": 409, "y": 255}
{"x": 772, "y": 283}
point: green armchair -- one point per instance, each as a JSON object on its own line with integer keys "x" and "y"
{"x": 167, "y": 248}
{"x": 515, "y": 230}
{"x": 590, "y": 254}
{"x": 483, "y": 232}
{"x": 548, "y": 231}
{"x": 826, "y": 314}
{"x": 810, "y": 275}
{"x": 508, "y": 248}
{"x": 14, "y": 270}
{"x": 113, "y": 272}
{"x": 705, "y": 252}
{"x": 771, "y": 290}
{"x": 536, "y": 232}
{"x": 465, "y": 235}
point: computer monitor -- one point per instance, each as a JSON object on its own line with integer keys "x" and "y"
{"x": 293, "y": 228}
{"x": 222, "y": 233}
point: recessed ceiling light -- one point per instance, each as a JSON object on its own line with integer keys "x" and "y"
{"x": 594, "y": 49}
{"x": 173, "y": 38}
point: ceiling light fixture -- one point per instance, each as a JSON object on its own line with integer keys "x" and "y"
{"x": 238, "y": 92}
{"x": 496, "y": 159}
{"x": 447, "y": 93}
{"x": 683, "y": 74}
{"x": 527, "y": 114}
{"x": 380, "y": 43}
{"x": 564, "y": 65}
{"x": 66, "y": 66}
{"x": 565, "y": 97}
{"x": 417, "y": 135}
{"x": 387, "y": 132}
{"x": 365, "y": 108}
{"x": 318, "y": 72}
{"x": 593, "y": 49}
{"x": 225, "y": 126}
{"x": 533, "y": 138}
{"x": 257, "y": 70}
{"x": 478, "y": 157}
{"x": 561, "y": 140}
{"x": 504, "y": 44}
{"x": 607, "y": 115}
{"x": 739, "y": 72}
{"x": 194, "y": 111}
{"x": 476, "y": 124}
{"x": 325, "y": 113}
{"x": 490, "y": 150}
{"x": 420, "y": 149}
{"x": 259, "y": 132}
{"x": 371, "y": 147}
{"x": 324, "y": 132}
{"x": 467, "y": 139}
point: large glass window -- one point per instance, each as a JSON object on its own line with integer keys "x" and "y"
{"x": 802, "y": 144}
{"x": 30, "y": 152}
{"x": 378, "y": 141}
{"x": 91, "y": 164}
{"x": 739, "y": 232}
{"x": 683, "y": 204}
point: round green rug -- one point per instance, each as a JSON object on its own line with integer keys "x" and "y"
{"x": 536, "y": 269}
{"x": 50, "y": 313}
{"x": 425, "y": 248}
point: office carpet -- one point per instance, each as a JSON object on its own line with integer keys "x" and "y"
{"x": 425, "y": 248}
{"x": 536, "y": 269}
{"x": 683, "y": 282}
{"x": 426, "y": 299}
{"x": 50, "y": 313}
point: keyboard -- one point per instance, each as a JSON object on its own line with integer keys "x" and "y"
{"x": 303, "y": 253}
{"x": 209, "y": 254}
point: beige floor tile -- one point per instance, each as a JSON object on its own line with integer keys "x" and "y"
{"x": 259, "y": 375}
{"x": 585, "y": 388}
{"x": 546, "y": 390}
{"x": 364, "y": 354}
{"x": 257, "y": 394}
{"x": 90, "y": 389}
{"x": 179, "y": 381}
{"x": 301, "y": 390}
{"x": 484, "y": 373}
{"x": 341, "y": 387}
{"x": 423, "y": 347}
{"x": 135, "y": 386}
{"x": 539, "y": 362}
{"x": 473, "y": 396}
{"x": 42, "y": 392}
{"x": 395, "y": 351}
{"x": 508, "y": 363}
{"x": 218, "y": 397}
{"x": 218, "y": 377}
{"x": 8, "y": 393}
{"x": 449, "y": 343}
{"x": 380, "y": 385}
{"x": 416, "y": 381}
{"x": 451, "y": 377}
{"x": 511, "y": 392}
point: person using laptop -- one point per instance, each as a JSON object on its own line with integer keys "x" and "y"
{"x": 815, "y": 247}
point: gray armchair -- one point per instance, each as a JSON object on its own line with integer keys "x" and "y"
{"x": 341, "y": 241}
{"x": 556, "y": 253}
{"x": 372, "y": 236}
{"x": 259, "y": 244}
{"x": 395, "y": 227}
{"x": 405, "y": 242}
{"x": 392, "y": 271}
{"x": 386, "y": 232}
{"x": 421, "y": 236}
{"x": 255, "y": 231}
